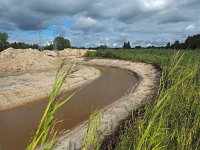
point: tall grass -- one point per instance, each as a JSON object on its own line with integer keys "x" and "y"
{"x": 172, "y": 121}
{"x": 45, "y": 133}
{"x": 93, "y": 137}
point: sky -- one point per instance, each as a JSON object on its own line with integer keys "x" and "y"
{"x": 90, "y": 23}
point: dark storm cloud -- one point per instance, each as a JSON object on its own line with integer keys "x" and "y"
{"x": 106, "y": 21}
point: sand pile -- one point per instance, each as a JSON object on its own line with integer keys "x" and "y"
{"x": 32, "y": 59}
{"x": 27, "y": 59}
{"x": 72, "y": 52}
{"x": 28, "y": 75}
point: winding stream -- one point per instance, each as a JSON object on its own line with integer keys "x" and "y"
{"x": 16, "y": 125}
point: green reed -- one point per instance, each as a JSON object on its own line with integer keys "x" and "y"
{"x": 172, "y": 120}
{"x": 43, "y": 136}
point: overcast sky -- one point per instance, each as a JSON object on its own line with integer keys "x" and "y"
{"x": 94, "y": 22}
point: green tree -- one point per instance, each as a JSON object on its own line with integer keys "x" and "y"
{"x": 49, "y": 47}
{"x": 168, "y": 45}
{"x": 61, "y": 43}
{"x": 139, "y": 47}
{"x": 34, "y": 46}
{"x": 21, "y": 45}
{"x": 193, "y": 42}
{"x": 3, "y": 41}
{"x": 102, "y": 47}
{"x": 176, "y": 45}
{"x": 127, "y": 45}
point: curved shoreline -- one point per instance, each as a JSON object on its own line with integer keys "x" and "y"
{"x": 21, "y": 95}
{"x": 114, "y": 114}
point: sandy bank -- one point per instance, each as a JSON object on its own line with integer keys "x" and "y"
{"x": 14, "y": 60}
{"x": 20, "y": 88}
{"x": 114, "y": 114}
{"x": 28, "y": 75}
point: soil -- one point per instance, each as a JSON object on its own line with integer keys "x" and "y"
{"x": 115, "y": 114}
{"x": 28, "y": 75}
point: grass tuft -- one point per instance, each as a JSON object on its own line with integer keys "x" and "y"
{"x": 45, "y": 134}
{"x": 93, "y": 137}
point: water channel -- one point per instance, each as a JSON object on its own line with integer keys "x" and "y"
{"x": 16, "y": 125}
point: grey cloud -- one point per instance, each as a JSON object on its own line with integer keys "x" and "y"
{"x": 30, "y": 15}
{"x": 147, "y": 21}
{"x": 61, "y": 7}
{"x": 47, "y": 11}
{"x": 174, "y": 16}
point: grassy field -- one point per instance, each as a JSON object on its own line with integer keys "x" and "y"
{"x": 172, "y": 120}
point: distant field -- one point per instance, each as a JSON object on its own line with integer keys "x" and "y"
{"x": 154, "y": 56}
{"x": 172, "y": 120}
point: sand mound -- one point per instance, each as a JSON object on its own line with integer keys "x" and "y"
{"x": 32, "y": 59}
{"x": 72, "y": 52}
{"x": 27, "y": 59}
{"x": 29, "y": 74}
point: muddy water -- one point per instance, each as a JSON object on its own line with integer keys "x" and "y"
{"x": 17, "y": 125}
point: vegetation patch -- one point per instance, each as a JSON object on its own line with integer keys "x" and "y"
{"x": 172, "y": 121}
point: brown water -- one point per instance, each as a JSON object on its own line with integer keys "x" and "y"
{"x": 16, "y": 125}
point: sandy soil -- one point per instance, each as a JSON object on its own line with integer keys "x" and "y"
{"x": 117, "y": 112}
{"x": 12, "y": 60}
{"x": 28, "y": 75}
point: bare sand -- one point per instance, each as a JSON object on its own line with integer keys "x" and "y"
{"x": 28, "y": 75}
{"x": 14, "y": 60}
{"x": 120, "y": 110}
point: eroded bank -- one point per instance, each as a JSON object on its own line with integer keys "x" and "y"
{"x": 115, "y": 113}
{"x": 17, "y": 125}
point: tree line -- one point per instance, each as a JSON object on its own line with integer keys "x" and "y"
{"x": 192, "y": 42}
{"x": 59, "y": 43}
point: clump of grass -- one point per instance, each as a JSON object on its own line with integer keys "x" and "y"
{"x": 93, "y": 137}
{"x": 42, "y": 136}
{"x": 172, "y": 121}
